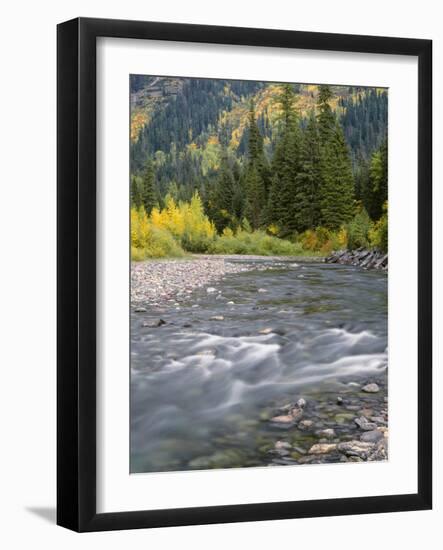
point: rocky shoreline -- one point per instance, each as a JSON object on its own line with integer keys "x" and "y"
{"x": 361, "y": 257}
{"x": 156, "y": 282}
{"x": 350, "y": 425}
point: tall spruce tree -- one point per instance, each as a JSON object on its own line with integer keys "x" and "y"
{"x": 223, "y": 195}
{"x": 282, "y": 203}
{"x": 148, "y": 191}
{"x": 307, "y": 200}
{"x": 378, "y": 173}
{"x": 136, "y": 198}
{"x": 337, "y": 185}
{"x": 336, "y": 190}
{"x": 326, "y": 117}
{"x": 362, "y": 182}
{"x": 256, "y": 175}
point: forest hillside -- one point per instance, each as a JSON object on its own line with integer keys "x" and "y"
{"x": 216, "y": 161}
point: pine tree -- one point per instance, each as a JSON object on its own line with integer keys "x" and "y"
{"x": 256, "y": 197}
{"x": 378, "y": 172}
{"x": 223, "y": 194}
{"x": 362, "y": 182}
{"x": 256, "y": 175}
{"x": 336, "y": 189}
{"x": 238, "y": 198}
{"x": 337, "y": 185}
{"x": 136, "y": 198}
{"x": 326, "y": 118}
{"x": 282, "y": 206}
{"x": 307, "y": 200}
{"x": 148, "y": 192}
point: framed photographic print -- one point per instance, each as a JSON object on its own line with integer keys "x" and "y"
{"x": 244, "y": 274}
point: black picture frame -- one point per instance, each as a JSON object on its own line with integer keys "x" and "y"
{"x": 76, "y": 280}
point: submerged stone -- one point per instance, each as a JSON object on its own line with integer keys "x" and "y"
{"x": 371, "y": 388}
{"x": 322, "y": 448}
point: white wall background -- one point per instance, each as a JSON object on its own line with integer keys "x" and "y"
{"x": 27, "y": 289}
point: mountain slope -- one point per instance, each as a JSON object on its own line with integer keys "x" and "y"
{"x": 183, "y": 124}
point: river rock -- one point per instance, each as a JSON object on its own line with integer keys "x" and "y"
{"x": 231, "y": 303}
{"x": 217, "y": 318}
{"x": 265, "y": 331}
{"x": 371, "y": 388}
{"x": 380, "y": 450}
{"x": 364, "y": 424}
{"x": 367, "y": 259}
{"x": 372, "y": 437}
{"x": 279, "y": 445}
{"x": 283, "y": 419}
{"x": 305, "y": 424}
{"x": 327, "y": 432}
{"x": 360, "y": 449}
{"x": 140, "y": 310}
{"x": 288, "y": 419}
{"x": 352, "y": 407}
{"x": 154, "y": 324}
{"x": 301, "y": 403}
{"x": 322, "y": 448}
{"x": 281, "y": 452}
{"x": 339, "y": 400}
{"x": 377, "y": 419}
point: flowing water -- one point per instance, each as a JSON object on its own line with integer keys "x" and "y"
{"x": 203, "y": 390}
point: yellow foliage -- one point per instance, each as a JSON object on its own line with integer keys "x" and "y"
{"x": 342, "y": 237}
{"x": 309, "y": 240}
{"x": 273, "y": 229}
{"x": 148, "y": 241}
{"x": 213, "y": 140}
{"x": 184, "y": 222}
{"x": 323, "y": 240}
{"x": 139, "y": 119}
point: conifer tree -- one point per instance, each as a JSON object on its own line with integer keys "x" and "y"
{"x": 136, "y": 198}
{"x": 378, "y": 173}
{"x": 326, "y": 118}
{"x": 238, "y": 198}
{"x": 256, "y": 197}
{"x": 256, "y": 175}
{"x": 222, "y": 200}
{"x": 336, "y": 190}
{"x": 148, "y": 192}
{"x": 286, "y": 167}
{"x": 362, "y": 182}
{"x": 307, "y": 200}
{"x": 337, "y": 185}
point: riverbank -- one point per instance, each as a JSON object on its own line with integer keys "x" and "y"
{"x": 155, "y": 282}
{"x": 362, "y": 257}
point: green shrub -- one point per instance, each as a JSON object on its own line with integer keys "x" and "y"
{"x": 378, "y": 235}
{"x": 322, "y": 240}
{"x": 254, "y": 243}
{"x": 358, "y": 230}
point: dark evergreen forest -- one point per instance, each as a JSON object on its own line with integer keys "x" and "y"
{"x": 284, "y": 158}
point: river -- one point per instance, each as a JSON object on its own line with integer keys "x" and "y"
{"x": 206, "y": 384}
